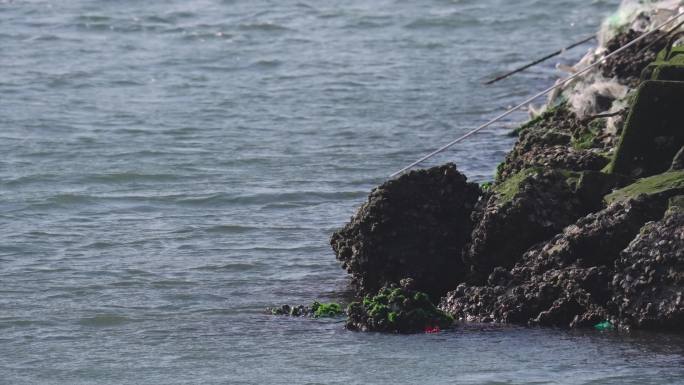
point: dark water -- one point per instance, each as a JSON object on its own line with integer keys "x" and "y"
{"x": 171, "y": 168}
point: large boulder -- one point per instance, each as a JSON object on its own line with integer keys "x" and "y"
{"x": 564, "y": 282}
{"x": 415, "y": 227}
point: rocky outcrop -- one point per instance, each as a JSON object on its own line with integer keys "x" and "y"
{"x": 529, "y": 207}
{"x": 563, "y": 282}
{"x": 649, "y": 282}
{"x": 573, "y": 232}
{"x": 414, "y": 226}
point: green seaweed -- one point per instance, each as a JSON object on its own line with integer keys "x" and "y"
{"x": 399, "y": 310}
{"x": 668, "y": 182}
{"x": 326, "y": 309}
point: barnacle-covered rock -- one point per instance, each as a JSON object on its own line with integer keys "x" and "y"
{"x": 413, "y": 226}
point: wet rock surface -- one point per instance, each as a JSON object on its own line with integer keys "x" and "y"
{"x": 628, "y": 65}
{"x": 557, "y": 156}
{"x": 528, "y": 208}
{"x": 649, "y": 282}
{"x": 564, "y": 282}
{"x": 414, "y": 226}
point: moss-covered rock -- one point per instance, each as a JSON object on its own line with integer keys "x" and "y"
{"x": 555, "y": 139}
{"x": 664, "y": 185}
{"x": 396, "y": 310}
{"x": 529, "y": 207}
{"x": 653, "y": 132}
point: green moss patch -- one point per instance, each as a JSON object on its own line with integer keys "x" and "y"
{"x": 653, "y": 131}
{"x": 508, "y": 189}
{"x": 671, "y": 182}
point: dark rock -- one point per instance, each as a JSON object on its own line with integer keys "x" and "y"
{"x": 414, "y": 226}
{"x": 649, "y": 282}
{"x": 396, "y": 310}
{"x": 527, "y": 208}
{"x": 653, "y": 133}
{"x": 559, "y": 156}
{"x": 563, "y": 282}
{"x": 628, "y": 65}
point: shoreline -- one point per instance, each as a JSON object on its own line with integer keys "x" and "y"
{"x": 583, "y": 225}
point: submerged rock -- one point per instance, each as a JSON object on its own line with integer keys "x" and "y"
{"x": 397, "y": 310}
{"x": 317, "y": 310}
{"x": 414, "y": 226}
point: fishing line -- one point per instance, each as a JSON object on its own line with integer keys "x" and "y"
{"x": 540, "y": 94}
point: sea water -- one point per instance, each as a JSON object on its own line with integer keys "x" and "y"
{"x": 169, "y": 169}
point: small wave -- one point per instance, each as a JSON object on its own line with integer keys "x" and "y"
{"x": 93, "y": 18}
{"x": 232, "y": 267}
{"x": 71, "y": 199}
{"x": 124, "y": 177}
{"x": 104, "y": 320}
{"x": 273, "y": 63}
{"x": 263, "y": 26}
{"x": 218, "y": 35}
{"x": 448, "y": 22}
{"x": 267, "y": 198}
{"x": 172, "y": 283}
{"x": 13, "y": 322}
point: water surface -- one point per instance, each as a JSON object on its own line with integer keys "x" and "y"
{"x": 171, "y": 168}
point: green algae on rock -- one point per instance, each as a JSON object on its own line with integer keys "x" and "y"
{"x": 326, "y": 309}
{"x": 396, "y": 310}
{"x": 317, "y": 310}
{"x": 667, "y": 184}
{"x": 653, "y": 132}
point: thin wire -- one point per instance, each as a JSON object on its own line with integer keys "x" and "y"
{"x": 540, "y": 94}
{"x": 540, "y": 60}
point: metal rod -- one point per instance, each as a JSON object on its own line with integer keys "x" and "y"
{"x": 534, "y": 97}
{"x": 540, "y": 60}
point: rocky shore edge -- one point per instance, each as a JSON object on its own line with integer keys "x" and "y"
{"x": 582, "y": 226}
